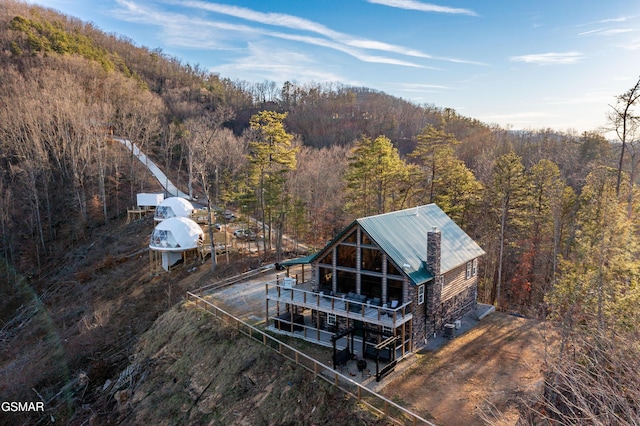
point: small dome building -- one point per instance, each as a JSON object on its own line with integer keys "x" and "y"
{"x": 173, "y": 207}
{"x": 173, "y": 239}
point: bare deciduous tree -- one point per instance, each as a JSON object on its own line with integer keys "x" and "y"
{"x": 625, "y": 123}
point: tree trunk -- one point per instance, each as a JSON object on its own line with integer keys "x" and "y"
{"x": 214, "y": 259}
{"x": 503, "y": 226}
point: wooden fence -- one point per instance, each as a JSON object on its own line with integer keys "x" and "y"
{"x": 232, "y": 280}
{"x": 376, "y": 402}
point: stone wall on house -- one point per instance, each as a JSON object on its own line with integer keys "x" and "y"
{"x": 321, "y": 317}
{"x": 438, "y": 312}
{"x": 453, "y": 309}
{"x": 418, "y": 326}
{"x": 434, "y": 252}
{"x": 434, "y": 308}
{"x": 460, "y": 305}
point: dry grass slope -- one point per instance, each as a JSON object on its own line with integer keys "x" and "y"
{"x": 487, "y": 374}
{"x": 188, "y": 369}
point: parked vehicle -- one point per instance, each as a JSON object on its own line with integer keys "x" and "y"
{"x": 229, "y": 216}
{"x": 245, "y": 234}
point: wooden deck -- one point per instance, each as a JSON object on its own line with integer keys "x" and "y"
{"x": 339, "y": 305}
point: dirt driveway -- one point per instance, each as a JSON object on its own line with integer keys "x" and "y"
{"x": 492, "y": 366}
{"x": 246, "y": 300}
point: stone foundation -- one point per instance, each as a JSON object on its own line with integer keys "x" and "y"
{"x": 439, "y": 314}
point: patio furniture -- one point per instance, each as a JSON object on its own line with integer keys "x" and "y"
{"x": 342, "y": 357}
{"x": 355, "y": 301}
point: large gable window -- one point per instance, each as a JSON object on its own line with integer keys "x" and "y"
{"x": 366, "y": 240}
{"x": 351, "y": 238}
{"x": 371, "y": 259}
{"x": 327, "y": 259}
{"x": 346, "y": 256}
{"x": 392, "y": 270}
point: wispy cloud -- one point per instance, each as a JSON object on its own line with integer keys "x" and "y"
{"x": 356, "y": 53}
{"x": 620, "y": 19}
{"x": 601, "y": 97}
{"x": 273, "y": 64}
{"x": 185, "y": 31}
{"x": 423, "y": 7}
{"x": 301, "y": 24}
{"x": 274, "y": 19}
{"x": 338, "y": 40}
{"x": 551, "y": 58}
{"x": 606, "y": 31}
{"x": 610, "y": 20}
{"x": 631, "y": 44}
{"x": 418, "y": 87}
{"x": 273, "y": 46}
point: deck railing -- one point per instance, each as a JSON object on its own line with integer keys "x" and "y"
{"x": 233, "y": 279}
{"x": 343, "y": 306}
{"x": 374, "y": 401}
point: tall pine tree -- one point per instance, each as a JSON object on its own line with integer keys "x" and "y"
{"x": 271, "y": 156}
{"x": 377, "y": 179}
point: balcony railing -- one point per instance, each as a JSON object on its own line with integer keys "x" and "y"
{"x": 340, "y": 305}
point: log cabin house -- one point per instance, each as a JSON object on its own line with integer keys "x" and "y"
{"x": 391, "y": 280}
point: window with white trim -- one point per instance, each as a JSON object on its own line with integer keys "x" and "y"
{"x": 474, "y": 268}
{"x": 469, "y": 269}
{"x": 421, "y": 294}
{"x": 331, "y": 319}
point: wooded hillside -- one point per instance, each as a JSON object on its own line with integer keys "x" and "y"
{"x": 557, "y": 213}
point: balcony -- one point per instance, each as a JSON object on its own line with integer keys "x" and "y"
{"x": 340, "y": 305}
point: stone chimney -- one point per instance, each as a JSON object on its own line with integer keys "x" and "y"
{"x": 433, "y": 251}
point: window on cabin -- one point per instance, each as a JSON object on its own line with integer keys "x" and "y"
{"x": 352, "y": 237}
{"x": 366, "y": 239}
{"x": 392, "y": 270}
{"x": 371, "y": 259}
{"x": 346, "y": 281}
{"x": 371, "y": 286}
{"x": 325, "y": 278}
{"x": 469, "y": 269}
{"x": 394, "y": 291}
{"x": 474, "y": 268}
{"x": 327, "y": 259}
{"x": 331, "y": 319}
{"x": 421, "y": 294}
{"x": 346, "y": 256}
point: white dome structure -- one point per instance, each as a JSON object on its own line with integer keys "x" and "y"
{"x": 173, "y": 237}
{"x": 173, "y": 207}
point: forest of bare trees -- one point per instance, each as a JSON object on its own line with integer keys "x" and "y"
{"x": 557, "y": 213}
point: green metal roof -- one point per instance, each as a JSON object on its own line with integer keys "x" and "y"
{"x": 403, "y": 236}
{"x": 298, "y": 260}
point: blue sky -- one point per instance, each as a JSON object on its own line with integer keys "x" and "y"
{"x": 520, "y": 64}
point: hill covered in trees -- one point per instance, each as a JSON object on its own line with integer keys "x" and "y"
{"x": 556, "y": 212}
